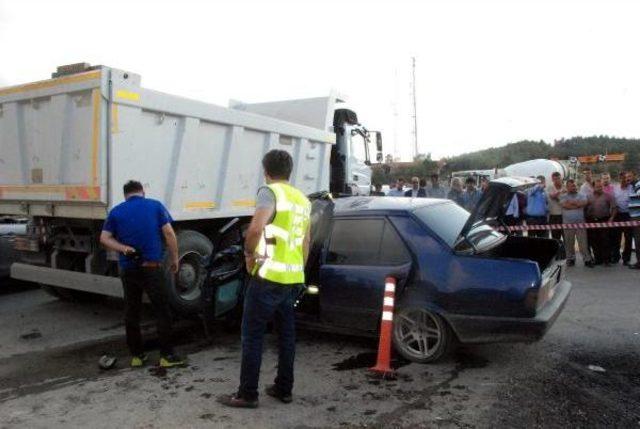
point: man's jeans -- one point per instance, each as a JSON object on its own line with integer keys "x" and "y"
{"x": 263, "y": 301}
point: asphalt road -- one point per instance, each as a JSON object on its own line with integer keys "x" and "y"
{"x": 49, "y": 376}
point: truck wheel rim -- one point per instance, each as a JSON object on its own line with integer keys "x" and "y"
{"x": 418, "y": 332}
{"x": 189, "y": 276}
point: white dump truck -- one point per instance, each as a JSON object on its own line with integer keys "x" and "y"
{"x": 68, "y": 144}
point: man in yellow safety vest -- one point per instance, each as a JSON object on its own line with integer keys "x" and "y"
{"x": 276, "y": 250}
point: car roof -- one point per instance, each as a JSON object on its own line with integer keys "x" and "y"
{"x": 349, "y": 205}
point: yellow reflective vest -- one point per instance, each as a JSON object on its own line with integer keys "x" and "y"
{"x": 280, "y": 257}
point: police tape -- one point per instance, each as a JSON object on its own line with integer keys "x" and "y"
{"x": 584, "y": 225}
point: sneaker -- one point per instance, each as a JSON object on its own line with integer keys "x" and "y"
{"x": 236, "y": 401}
{"x": 589, "y": 264}
{"x": 570, "y": 263}
{"x": 626, "y": 263}
{"x": 172, "y": 360}
{"x": 139, "y": 361}
{"x": 635, "y": 266}
{"x": 275, "y": 393}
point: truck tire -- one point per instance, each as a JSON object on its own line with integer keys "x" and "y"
{"x": 183, "y": 289}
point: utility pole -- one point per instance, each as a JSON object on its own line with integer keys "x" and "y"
{"x": 395, "y": 115}
{"x": 415, "y": 113}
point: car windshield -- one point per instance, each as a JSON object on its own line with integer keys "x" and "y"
{"x": 447, "y": 221}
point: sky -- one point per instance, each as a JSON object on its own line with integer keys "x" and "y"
{"x": 487, "y": 72}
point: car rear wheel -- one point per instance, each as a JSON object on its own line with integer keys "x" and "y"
{"x": 420, "y": 335}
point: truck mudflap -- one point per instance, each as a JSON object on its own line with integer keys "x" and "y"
{"x": 103, "y": 285}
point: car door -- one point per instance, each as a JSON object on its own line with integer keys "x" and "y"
{"x": 360, "y": 254}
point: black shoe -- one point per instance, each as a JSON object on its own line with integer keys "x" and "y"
{"x": 570, "y": 263}
{"x": 236, "y": 401}
{"x": 635, "y": 266}
{"x": 275, "y": 393}
{"x": 625, "y": 263}
{"x": 589, "y": 264}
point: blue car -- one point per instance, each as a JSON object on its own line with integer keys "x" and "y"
{"x": 459, "y": 280}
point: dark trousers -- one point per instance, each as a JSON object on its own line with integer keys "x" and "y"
{"x": 556, "y": 220}
{"x": 537, "y": 220}
{"x": 599, "y": 241}
{"x": 636, "y": 239}
{"x": 264, "y": 301}
{"x": 135, "y": 282}
{"x": 616, "y": 239}
{"x": 513, "y": 221}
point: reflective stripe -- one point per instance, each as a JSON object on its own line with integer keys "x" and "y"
{"x": 388, "y": 301}
{"x": 389, "y": 287}
{"x": 272, "y": 230}
{"x": 387, "y": 315}
{"x": 281, "y": 267}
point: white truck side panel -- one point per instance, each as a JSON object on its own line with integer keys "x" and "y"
{"x": 51, "y": 135}
{"x": 89, "y": 136}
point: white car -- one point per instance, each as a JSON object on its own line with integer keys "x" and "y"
{"x": 9, "y": 228}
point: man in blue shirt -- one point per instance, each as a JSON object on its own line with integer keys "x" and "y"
{"x": 471, "y": 195}
{"x": 135, "y": 229}
{"x": 537, "y": 208}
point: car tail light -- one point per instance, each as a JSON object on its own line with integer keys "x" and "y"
{"x": 531, "y": 299}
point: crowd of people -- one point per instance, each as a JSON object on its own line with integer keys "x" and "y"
{"x": 593, "y": 200}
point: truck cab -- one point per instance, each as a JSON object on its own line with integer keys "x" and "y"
{"x": 350, "y": 161}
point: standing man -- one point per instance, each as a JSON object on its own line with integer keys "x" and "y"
{"x": 484, "y": 184}
{"x": 377, "y": 192}
{"x": 622, "y": 193}
{"x": 601, "y": 208}
{"x": 471, "y": 195}
{"x": 555, "y": 190}
{"x": 436, "y": 191}
{"x": 276, "y": 249}
{"x": 607, "y": 187}
{"x": 587, "y": 186}
{"x": 135, "y": 229}
{"x": 416, "y": 191}
{"x": 398, "y": 191}
{"x": 573, "y": 204}
{"x": 455, "y": 194}
{"x": 537, "y": 208}
{"x": 634, "y": 214}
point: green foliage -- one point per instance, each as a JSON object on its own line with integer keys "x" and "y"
{"x": 517, "y": 152}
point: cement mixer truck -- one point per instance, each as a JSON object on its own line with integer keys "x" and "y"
{"x": 531, "y": 168}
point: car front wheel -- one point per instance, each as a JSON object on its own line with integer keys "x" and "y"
{"x": 420, "y": 335}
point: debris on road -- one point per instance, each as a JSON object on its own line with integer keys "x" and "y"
{"x": 31, "y": 335}
{"x": 107, "y": 362}
{"x": 596, "y": 368}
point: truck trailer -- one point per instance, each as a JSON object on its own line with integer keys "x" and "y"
{"x": 69, "y": 143}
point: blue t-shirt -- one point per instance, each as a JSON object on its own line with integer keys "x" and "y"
{"x": 138, "y": 223}
{"x": 537, "y": 201}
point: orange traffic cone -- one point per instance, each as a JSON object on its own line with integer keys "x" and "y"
{"x": 383, "y": 365}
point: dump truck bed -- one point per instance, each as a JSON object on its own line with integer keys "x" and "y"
{"x": 67, "y": 145}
